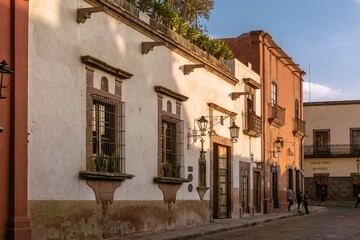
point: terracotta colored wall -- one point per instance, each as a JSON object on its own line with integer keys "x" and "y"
{"x": 5, "y": 54}
{"x": 14, "y": 223}
{"x": 270, "y": 62}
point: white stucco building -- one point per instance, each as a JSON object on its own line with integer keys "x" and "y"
{"x": 114, "y": 144}
{"x": 332, "y": 149}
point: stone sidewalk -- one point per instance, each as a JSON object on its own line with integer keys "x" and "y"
{"x": 218, "y": 226}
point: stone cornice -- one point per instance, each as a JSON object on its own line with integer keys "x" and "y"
{"x": 328, "y": 103}
{"x": 96, "y": 63}
{"x": 173, "y": 41}
{"x": 170, "y": 93}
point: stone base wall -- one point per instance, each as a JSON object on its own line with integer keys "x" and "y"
{"x": 85, "y": 219}
{"x": 338, "y": 189}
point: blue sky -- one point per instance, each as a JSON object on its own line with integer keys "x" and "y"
{"x": 323, "y": 36}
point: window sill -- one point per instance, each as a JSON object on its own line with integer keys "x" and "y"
{"x": 171, "y": 180}
{"x": 105, "y": 176}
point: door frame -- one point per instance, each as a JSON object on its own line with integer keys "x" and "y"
{"x": 226, "y": 142}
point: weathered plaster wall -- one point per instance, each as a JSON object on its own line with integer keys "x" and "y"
{"x": 61, "y": 203}
{"x": 65, "y": 219}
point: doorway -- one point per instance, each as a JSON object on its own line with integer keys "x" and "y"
{"x": 222, "y": 198}
{"x": 257, "y": 191}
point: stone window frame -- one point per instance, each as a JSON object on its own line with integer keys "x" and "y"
{"x": 93, "y": 64}
{"x": 167, "y": 115}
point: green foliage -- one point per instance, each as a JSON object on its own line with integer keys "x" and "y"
{"x": 107, "y": 164}
{"x": 181, "y": 16}
{"x": 171, "y": 169}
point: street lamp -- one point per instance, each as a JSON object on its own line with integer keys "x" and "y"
{"x": 4, "y": 70}
{"x": 204, "y": 125}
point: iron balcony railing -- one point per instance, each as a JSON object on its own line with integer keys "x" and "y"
{"x": 332, "y": 150}
{"x": 277, "y": 115}
{"x": 252, "y": 124}
{"x": 299, "y": 126}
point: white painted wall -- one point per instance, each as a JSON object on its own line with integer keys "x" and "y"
{"x": 57, "y": 103}
{"x": 339, "y": 118}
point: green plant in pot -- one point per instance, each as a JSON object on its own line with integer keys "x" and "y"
{"x": 175, "y": 171}
{"x": 114, "y": 164}
{"x": 167, "y": 169}
{"x": 100, "y": 163}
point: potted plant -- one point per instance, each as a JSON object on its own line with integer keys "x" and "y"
{"x": 100, "y": 163}
{"x": 167, "y": 169}
{"x": 114, "y": 164}
{"x": 175, "y": 171}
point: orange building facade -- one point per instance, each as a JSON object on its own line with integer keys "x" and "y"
{"x": 14, "y": 221}
{"x": 282, "y": 115}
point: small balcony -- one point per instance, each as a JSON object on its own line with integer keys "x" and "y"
{"x": 298, "y": 127}
{"x": 338, "y": 150}
{"x": 277, "y": 116}
{"x": 252, "y": 124}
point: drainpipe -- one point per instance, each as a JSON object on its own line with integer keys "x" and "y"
{"x": 263, "y": 140}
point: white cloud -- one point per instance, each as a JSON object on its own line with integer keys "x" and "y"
{"x": 357, "y": 1}
{"x": 323, "y": 93}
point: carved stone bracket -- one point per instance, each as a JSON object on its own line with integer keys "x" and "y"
{"x": 169, "y": 186}
{"x": 104, "y": 193}
{"x": 189, "y": 68}
{"x": 146, "y": 47}
{"x": 235, "y": 95}
{"x": 169, "y": 191}
{"x": 85, "y": 13}
{"x": 104, "y": 186}
{"x": 202, "y": 191}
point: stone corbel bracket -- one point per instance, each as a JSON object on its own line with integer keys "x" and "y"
{"x": 169, "y": 186}
{"x": 146, "y": 47}
{"x": 85, "y": 13}
{"x": 189, "y": 68}
{"x": 236, "y": 95}
{"x": 202, "y": 192}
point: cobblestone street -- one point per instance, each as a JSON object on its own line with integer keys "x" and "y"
{"x": 334, "y": 223}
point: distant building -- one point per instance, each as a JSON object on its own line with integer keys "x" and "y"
{"x": 332, "y": 149}
{"x": 282, "y": 114}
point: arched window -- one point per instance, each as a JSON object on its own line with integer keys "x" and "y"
{"x": 104, "y": 84}
{"x": 273, "y": 94}
{"x": 168, "y": 107}
{"x": 296, "y": 109}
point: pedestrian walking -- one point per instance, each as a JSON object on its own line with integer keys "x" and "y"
{"x": 323, "y": 195}
{"x": 290, "y": 198}
{"x": 358, "y": 200}
{"x": 306, "y": 202}
{"x": 298, "y": 199}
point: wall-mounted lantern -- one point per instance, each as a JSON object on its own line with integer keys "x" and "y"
{"x": 279, "y": 143}
{"x": 234, "y": 132}
{"x": 204, "y": 126}
{"x": 5, "y": 81}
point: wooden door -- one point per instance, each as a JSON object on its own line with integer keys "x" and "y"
{"x": 257, "y": 191}
{"x": 221, "y": 182}
{"x": 321, "y": 141}
{"x": 245, "y": 190}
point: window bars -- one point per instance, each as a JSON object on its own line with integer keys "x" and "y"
{"x": 172, "y": 146}
{"x": 108, "y": 134}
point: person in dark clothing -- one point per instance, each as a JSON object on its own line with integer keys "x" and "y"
{"x": 323, "y": 195}
{"x": 358, "y": 200}
{"x": 306, "y": 202}
{"x": 298, "y": 199}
